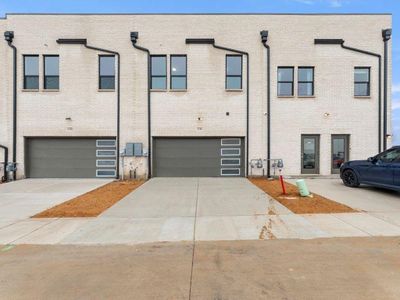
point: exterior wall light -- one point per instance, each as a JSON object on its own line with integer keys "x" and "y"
{"x": 9, "y": 36}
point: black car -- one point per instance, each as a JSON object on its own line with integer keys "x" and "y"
{"x": 382, "y": 170}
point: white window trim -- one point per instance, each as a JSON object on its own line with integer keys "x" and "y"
{"x": 105, "y": 146}
{"x": 222, "y": 149}
{"x": 238, "y": 139}
{"x": 106, "y": 166}
{"x": 105, "y": 155}
{"x": 237, "y": 165}
{"x": 108, "y": 170}
{"x": 222, "y": 169}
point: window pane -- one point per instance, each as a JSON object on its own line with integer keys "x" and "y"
{"x": 285, "y": 89}
{"x": 31, "y": 65}
{"x": 233, "y": 65}
{"x": 159, "y": 65}
{"x": 361, "y": 74}
{"x": 306, "y": 74}
{"x": 159, "y": 83}
{"x": 51, "y": 65}
{"x": 107, "y": 65}
{"x": 361, "y": 89}
{"x": 233, "y": 83}
{"x": 178, "y": 83}
{"x": 107, "y": 82}
{"x": 178, "y": 65}
{"x": 339, "y": 152}
{"x": 285, "y": 74}
{"x": 31, "y": 82}
{"x": 51, "y": 82}
{"x": 305, "y": 89}
{"x": 309, "y": 151}
{"x": 390, "y": 156}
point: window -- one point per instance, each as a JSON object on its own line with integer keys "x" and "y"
{"x": 233, "y": 79}
{"x": 178, "y": 72}
{"x": 361, "y": 81}
{"x": 285, "y": 81}
{"x": 51, "y": 72}
{"x": 230, "y": 161}
{"x": 106, "y": 153}
{"x": 105, "y": 163}
{"x": 305, "y": 81}
{"x": 105, "y": 143}
{"x": 392, "y": 155}
{"x": 107, "y": 72}
{"x": 31, "y": 72}
{"x": 230, "y": 142}
{"x": 159, "y": 72}
{"x": 230, "y": 172}
{"x": 105, "y": 173}
{"x": 230, "y": 151}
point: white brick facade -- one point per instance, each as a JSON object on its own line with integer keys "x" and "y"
{"x": 333, "y": 109}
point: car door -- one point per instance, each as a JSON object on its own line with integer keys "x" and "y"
{"x": 381, "y": 170}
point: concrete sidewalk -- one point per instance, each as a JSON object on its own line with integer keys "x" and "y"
{"x": 351, "y": 268}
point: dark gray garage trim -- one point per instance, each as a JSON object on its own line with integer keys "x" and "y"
{"x": 198, "y": 156}
{"x": 77, "y": 157}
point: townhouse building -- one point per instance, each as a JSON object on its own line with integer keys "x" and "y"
{"x": 143, "y": 95}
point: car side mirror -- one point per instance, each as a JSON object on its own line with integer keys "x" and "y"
{"x": 371, "y": 159}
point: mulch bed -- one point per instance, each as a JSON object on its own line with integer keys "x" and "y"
{"x": 92, "y": 203}
{"x": 297, "y": 204}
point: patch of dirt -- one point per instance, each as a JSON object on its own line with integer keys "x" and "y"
{"x": 92, "y": 203}
{"x": 297, "y": 204}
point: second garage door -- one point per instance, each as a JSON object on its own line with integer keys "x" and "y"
{"x": 198, "y": 157}
{"x": 70, "y": 157}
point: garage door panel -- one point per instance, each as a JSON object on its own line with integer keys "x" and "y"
{"x": 63, "y": 157}
{"x": 195, "y": 157}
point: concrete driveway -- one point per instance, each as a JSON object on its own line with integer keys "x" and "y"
{"x": 24, "y": 198}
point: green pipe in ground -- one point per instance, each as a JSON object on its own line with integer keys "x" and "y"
{"x": 302, "y": 187}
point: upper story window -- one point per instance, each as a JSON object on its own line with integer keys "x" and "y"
{"x": 178, "y": 80}
{"x": 285, "y": 81}
{"x": 107, "y": 72}
{"x": 305, "y": 81}
{"x": 31, "y": 72}
{"x": 159, "y": 72}
{"x": 233, "y": 72}
{"x": 362, "y": 81}
{"x": 51, "y": 72}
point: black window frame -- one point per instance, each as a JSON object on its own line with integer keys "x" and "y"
{"x": 363, "y": 82}
{"x": 38, "y": 75}
{"x": 108, "y": 76}
{"x": 177, "y": 76}
{"x": 53, "y": 76}
{"x": 302, "y": 81}
{"x": 278, "y": 81}
{"x": 234, "y": 76}
{"x": 158, "y": 76}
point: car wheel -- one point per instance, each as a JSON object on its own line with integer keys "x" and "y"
{"x": 350, "y": 178}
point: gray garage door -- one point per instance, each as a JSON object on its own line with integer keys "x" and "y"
{"x": 198, "y": 157}
{"x": 70, "y": 157}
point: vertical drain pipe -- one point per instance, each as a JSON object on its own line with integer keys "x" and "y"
{"x": 264, "y": 40}
{"x": 134, "y": 38}
{"x": 9, "y": 36}
{"x": 5, "y": 175}
{"x": 386, "y": 35}
{"x": 84, "y": 43}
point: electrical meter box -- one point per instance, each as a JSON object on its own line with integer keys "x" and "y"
{"x": 134, "y": 149}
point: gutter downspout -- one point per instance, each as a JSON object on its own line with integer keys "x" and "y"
{"x": 134, "y": 37}
{"x": 386, "y": 35}
{"x": 341, "y": 43}
{"x": 247, "y": 97}
{"x": 9, "y": 36}
{"x": 264, "y": 39}
{"x": 118, "y": 98}
{"x": 379, "y": 91}
{"x": 5, "y": 176}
